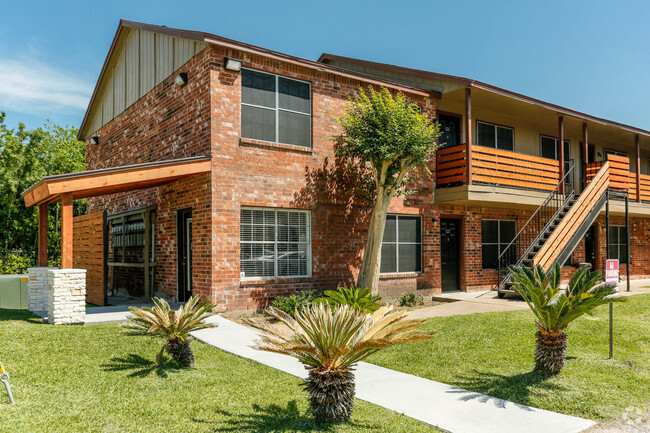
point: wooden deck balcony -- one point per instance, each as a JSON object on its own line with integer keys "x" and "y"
{"x": 490, "y": 166}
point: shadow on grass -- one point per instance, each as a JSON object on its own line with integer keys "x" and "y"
{"x": 273, "y": 417}
{"x": 21, "y": 316}
{"x": 141, "y": 367}
{"x": 499, "y": 389}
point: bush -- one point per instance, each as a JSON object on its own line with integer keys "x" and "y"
{"x": 409, "y": 300}
{"x": 15, "y": 262}
{"x": 296, "y": 301}
{"x": 360, "y": 299}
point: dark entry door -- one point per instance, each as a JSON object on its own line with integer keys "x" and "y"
{"x": 449, "y": 130}
{"x": 590, "y": 247}
{"x": 450, "y": 253}
{"x": 184, "y": 243}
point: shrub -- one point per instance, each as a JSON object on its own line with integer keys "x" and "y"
{"x": 174, "y": 326}
{"x": 409, "y": 300}
{"x": 15, "y": 262}
{"x": 295, "y": 301}
{"x": 329, "y": 342}
{"x": 360, "y": 299}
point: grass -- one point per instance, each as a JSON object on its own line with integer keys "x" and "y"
{"x": 492, "y": 353}
{"x": 95, "y": 379}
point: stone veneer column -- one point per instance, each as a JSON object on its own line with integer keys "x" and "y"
{"x": 37, "y": 289}
{"x": 66, "y": 296}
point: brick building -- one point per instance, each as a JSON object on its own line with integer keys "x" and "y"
{"x": 270, "y": 211}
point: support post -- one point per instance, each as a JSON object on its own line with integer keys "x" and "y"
{"x": 585, "y": 154}
{"x": 561, "y": 151}
{"x": 66, "y": 231}
{"x": 42, "y": 235}
{"x": 627, "y": 242}
{"x": 468, "y": 135}
{"x": 611, "y": 308}
{"x": 638, "y": 169}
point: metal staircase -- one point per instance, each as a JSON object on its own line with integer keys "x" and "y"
{"x": 555, "y": 228}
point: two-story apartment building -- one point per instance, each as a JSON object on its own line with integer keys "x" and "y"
{"x": 213, "y": 164}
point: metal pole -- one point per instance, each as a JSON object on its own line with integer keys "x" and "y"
{"x": 611, "y": 307}
{"x": 627, "y": 242}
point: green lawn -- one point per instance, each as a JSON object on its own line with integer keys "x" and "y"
{"x": 493, "y": 354}
{"x": 94, "y": 379}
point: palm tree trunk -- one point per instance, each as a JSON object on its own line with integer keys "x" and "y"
{"x": 181, "y": 351}
{"x": 331, "y": 395}
{"x": 551, "y": 351}
{"x": 370, "y": 267}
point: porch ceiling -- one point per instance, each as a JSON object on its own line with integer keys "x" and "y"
{"x": 113, "y": 180}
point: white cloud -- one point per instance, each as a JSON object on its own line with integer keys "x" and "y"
{"x": 29, "y": 86}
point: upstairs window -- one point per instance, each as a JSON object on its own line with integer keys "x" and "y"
{"x": 551, "y": 150}
{"x": 495, "y": 136}
{"x": 276, "y": 109}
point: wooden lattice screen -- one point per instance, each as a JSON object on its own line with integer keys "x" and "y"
{"x": 89, "y": 253}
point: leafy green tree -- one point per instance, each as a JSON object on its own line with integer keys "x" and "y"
{"x": 25, "y": 157}
{"x": 391, "y": 141}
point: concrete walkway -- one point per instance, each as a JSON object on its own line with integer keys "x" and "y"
{"x": 446, "y": 407}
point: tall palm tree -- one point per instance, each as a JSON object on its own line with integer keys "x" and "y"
{"x": 329, "y": 342}
{"x": 172, "y": 325}
{"x": 555, "y": 309}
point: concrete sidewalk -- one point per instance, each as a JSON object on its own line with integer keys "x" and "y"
{"x": 446, "y": 407}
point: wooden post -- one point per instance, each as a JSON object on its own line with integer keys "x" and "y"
{"x": 42, "y": 234}
{"x": 638, "y": 169}
{"x": 66, "y": 231}
{"x": 585, "y": 153}
{"x": 561, "y": 156}
{"x": 468, "y": 135}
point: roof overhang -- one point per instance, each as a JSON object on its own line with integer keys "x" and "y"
{"x": 325, "y": 57}
{"x": 94, "y": 183}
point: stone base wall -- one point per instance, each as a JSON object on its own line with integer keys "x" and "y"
{"x": 37, "y": 293}
{"x": 66, "y": 296}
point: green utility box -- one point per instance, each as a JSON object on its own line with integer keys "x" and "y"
{"x": 13, "y": 291}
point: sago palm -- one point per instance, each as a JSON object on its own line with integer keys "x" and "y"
{"x": 361, "y": 299}
{"x": 172, "y": 325}
{"x": 329, "y": 342}
{"x": 555, "y": 309}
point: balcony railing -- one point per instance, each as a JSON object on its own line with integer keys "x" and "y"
{"x": 496, "y": 167}
{"x": 621, "y": 178}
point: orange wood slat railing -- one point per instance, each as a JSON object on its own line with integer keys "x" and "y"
{"x": 574, "y": 218}
{"x": 497, "y": 167}
{"x": 619, "y": 172}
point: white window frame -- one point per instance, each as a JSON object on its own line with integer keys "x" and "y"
{"x": 277, "y": 109}
{"x": 275, "y": 243}
{"x": 498, "y": 243}
{"x": 397, "y": 243}
{"x": 614, "y": 152}
{"x": 496, "y": 134}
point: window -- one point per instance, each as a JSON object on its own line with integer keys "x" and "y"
{"x": 549, "y": 149}
{"x": 495, "y": 237}
{"x": 618, "y": 243}
{"x": 275, "y": 108}
{"x": 614, "y": 152}
{"x": 498, "y": 137}
{"x": 275, "y": 243}
{"x": 401, "y": 250}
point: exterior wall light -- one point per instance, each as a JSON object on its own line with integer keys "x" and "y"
{"x": 181, "y": 79}
{"x": 94, "y": 140}
{"x": 232, "y": 64}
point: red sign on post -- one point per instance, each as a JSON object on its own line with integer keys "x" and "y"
{"x": 611, "y": 271}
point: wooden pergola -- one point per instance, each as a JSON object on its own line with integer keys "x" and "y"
{"x": 70, "y": 186}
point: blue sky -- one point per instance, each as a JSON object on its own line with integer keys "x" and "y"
{"x": 593, "y": 56}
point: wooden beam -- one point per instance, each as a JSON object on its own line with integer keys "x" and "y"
{"x": 42, "y": 234}
{"x": 468, "y": 134}
{"x": 638, "y": 169}
{"x": 66, "y": 231}
{"x": 585, "y": 153}
{"x": 561, "y": 156}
